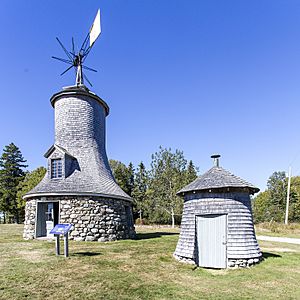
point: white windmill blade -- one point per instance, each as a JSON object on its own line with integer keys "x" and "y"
{"x": 95, "y": 29}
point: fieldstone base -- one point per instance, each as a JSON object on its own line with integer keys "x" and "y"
{"x": 29, "y": 223}
{"x": 232, "y": 263}
{"x": 93, "y": 218}
{"x": 243, "y": 263}
{"x": 185, "y": 260}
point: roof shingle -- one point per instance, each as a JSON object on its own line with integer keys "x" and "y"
{"x": 217, "y": 178}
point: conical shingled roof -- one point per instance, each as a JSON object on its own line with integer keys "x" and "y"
{"x": 217, "y": 178}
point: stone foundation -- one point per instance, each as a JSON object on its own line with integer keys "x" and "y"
{"x": 29, "y": 223}
{"x": 185, "y": 260}
{"x": 93, "y": 218}
{"x": 243, "y": 263}
{"x": 231, "y": 264}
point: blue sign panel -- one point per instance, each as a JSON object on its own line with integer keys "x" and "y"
{"x": 61, "y": 229}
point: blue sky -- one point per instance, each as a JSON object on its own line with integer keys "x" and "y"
{"x": 200, "y": 76}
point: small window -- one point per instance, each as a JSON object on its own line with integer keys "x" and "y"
{"x": 56, "y": 168}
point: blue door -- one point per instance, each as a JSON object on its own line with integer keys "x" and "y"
{"x": 211, "y": 241}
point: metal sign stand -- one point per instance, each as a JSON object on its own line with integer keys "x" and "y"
{"x": 57, "y": 244}
{"x": 61, "y": 229}
{"x": 66, "y": 244}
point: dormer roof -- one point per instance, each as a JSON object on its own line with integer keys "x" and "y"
{"x": 59, "y": 148}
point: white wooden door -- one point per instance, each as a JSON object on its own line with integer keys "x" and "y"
{"x": 211, "y": 241}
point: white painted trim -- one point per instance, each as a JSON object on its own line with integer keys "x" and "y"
{"x": 76, "y": 194}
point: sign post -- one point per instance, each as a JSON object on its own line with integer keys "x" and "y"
{"x": 66, "y": 244}
{"x": 61, "y": 229}
{"x": 57, "y": 246}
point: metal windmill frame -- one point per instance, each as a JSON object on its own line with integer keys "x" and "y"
{"x": 76, "y": 60}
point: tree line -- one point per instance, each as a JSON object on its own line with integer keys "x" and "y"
{"x": 153, "y": 191}
{"x": 270, "y": 205}
{"x": 15, "y": 182}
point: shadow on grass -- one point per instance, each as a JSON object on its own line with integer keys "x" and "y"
{"x": 153, "y": 235}
{"x": 87, "y": 253}
{"x": 267, "y": 255}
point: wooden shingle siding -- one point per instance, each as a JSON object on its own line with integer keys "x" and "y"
{"x": 241, "y": 239}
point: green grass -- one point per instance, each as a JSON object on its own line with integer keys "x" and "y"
{"x": 278, "y": 229}
{"x": 140, "y": 269}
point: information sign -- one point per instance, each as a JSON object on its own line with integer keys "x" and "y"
{"x": 61, "y": 229}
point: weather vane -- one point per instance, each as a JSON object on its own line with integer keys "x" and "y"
{"x": 76, "y": 60}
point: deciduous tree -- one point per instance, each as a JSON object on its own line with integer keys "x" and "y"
{"x": 270, "y": 205}
{"x": 139, "y": 193}
{"x": 30, "y": 181}
{"x": 167, "y": 176}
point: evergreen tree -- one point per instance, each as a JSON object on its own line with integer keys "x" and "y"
{"x": 124, "y": 176}
{"x": 130, "y": 179}
{"x": 191, "y": 173}
{"x": 30, "y": 181}
{"x": 12, "y": 165}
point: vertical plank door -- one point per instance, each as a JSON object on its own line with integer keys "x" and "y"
{"x": 211, "y": 241}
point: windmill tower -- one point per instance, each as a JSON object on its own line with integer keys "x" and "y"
{"x": 79, "y": 187}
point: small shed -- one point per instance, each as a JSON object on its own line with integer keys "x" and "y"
{"x": 217, "y": 228}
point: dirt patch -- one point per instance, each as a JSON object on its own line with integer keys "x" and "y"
{"x": 217, "y": 272}
{"x": 32, "y": 255}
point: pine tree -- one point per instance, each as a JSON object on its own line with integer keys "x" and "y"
{"x": 124, "y": 176}
{"x": 130, "y": 179}
{"x": 191, "y": 172}
{"x": 12, "y": 165}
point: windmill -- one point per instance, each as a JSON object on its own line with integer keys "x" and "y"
{"x": 76, "y": 59}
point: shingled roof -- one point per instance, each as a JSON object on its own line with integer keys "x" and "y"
{"x": 217, "y": 178}
{"x": 80, "y": 134}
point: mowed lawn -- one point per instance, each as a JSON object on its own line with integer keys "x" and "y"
{"x": 139, "y": 269}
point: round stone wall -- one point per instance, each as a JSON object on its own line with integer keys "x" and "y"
{"x": 93, "y": 218}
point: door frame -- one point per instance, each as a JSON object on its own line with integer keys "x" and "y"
{"x": 226, "y": 235}
{"x": 44, "y": 200}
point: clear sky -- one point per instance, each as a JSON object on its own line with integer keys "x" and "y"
{"x": 200, "y": 76}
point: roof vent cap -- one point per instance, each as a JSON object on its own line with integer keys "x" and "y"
{"x": 216, "y": 159}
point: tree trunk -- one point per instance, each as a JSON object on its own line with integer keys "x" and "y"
{"x": 17, "y": 217}
{"x": 16, "y": 212}
{"x": 141, "y": 220}
{"x": 173, "y": 217}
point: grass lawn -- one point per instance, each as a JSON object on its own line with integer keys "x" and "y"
{"x": 140, "y": 269}
{"x": 291, "y": 230}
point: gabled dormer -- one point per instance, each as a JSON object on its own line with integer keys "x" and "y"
{"x": 60, "y": 162}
